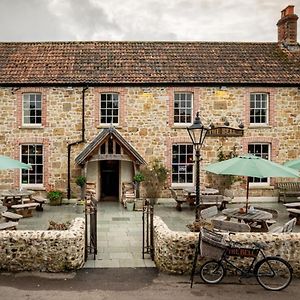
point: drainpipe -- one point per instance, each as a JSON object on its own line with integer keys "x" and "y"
{"x": 70, "y": 145}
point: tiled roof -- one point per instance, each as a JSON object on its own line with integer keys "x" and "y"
{"x": 103, "y": 63}
{"x": 84, "y": 155}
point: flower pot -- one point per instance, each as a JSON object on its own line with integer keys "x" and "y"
{"x": 139, "y": 203}
{"x": 130, "y": 206}
{"x": 55, "y": 202}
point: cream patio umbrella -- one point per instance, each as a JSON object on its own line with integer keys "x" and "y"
{"x": 251, "y": 166}
{"x": 294, "y": 164}
{"x": 7, "y": 163}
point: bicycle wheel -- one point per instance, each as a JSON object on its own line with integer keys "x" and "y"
{"x": 273, "y": 273}
{"x": 212, "y": 272}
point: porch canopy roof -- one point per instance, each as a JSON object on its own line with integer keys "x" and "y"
{"x": 89, "y": 151}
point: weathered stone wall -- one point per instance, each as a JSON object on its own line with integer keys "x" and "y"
{"x": 146, "y": 122}
{"x": 174, "y": 250}
{"x": 45, "y": 251}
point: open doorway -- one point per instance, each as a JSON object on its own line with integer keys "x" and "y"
{"x": 109, "y": 180}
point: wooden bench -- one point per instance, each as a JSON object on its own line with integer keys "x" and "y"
{"x": 288, "y": 189}
{"x": 25, "y": 209}
{"x": 40, "y": 201}
{"x": 8, "y": 226}
{"x": 9, "y": 216}
{"x": 212, "y": 200}
{"x": 294, "y": 213}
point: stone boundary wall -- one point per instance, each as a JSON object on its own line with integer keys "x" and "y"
{"x": 43, "y": 250}
{"x": 174, "y": 250}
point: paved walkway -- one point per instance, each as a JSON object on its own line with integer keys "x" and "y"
{"x": 120, "y": 231}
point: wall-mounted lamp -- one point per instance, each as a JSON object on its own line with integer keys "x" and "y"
{"x": 225, "y": 120}
{"x": 14, "y": 89}
{"x": 240, "y": 123}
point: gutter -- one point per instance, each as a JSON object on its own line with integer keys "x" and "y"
{"x": 82, "y": 140}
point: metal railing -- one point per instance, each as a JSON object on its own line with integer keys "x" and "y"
{"x": 148, "y": 241}
{"x": 90, "y": 226}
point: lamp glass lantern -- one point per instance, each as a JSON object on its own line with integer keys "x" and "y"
{"x": 197, "y": 132}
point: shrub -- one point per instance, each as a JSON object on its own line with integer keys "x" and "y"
{"x": 155, "y": 178}
{"x": 55, "y": 197}
{"x": 81, "y": 181}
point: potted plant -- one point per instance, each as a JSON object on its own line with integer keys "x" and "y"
{"x": 55, "y": 197}
{"x": 81, "y": 182}
{"x": 138, "y": 178}
{"x": 155, "y": 177}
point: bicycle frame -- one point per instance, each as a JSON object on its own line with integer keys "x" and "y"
{"x": 244, "y": 272}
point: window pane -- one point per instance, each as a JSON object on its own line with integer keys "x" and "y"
{"x": 32, "y": 154}
{"x": 109, "y": 108}
{"x": 182, "y": 163}
{"x": 259, "y": 108}
{"x": 184, "y": 102}
{"x": 261, "y": 150}
{"x": 32, "y": 107}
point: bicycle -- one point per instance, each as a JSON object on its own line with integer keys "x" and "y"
{"x": 272, "y": 272}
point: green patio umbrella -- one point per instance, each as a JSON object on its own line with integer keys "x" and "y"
{"x": 250, "y": 166}
{"x": 9, "y": 163}
{"x": 294, "y": 164}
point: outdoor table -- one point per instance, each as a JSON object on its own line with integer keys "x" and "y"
{"x": 292, "y": 204}
{"x": 254, "y": 217}
{"x": 13, "y": 197}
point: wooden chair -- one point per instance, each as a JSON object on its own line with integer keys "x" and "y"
{"x": 128, "y": 192}
{"x": 227, "y": 198}
{"x": 287, "y": 227}
{"x": 211, "y": 213}
{"x": 179, "y": 199}
{"x": 230, "y": 226}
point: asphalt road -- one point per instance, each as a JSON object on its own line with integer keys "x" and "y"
{"x": 130, "y": 283}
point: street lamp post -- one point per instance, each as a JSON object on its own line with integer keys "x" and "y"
{"x": 197, "y": 133}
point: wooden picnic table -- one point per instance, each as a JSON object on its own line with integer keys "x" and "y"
{"x": 257, "y": 217}
{"x": 15, "y": 196}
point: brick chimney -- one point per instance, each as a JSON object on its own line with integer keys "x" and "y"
{"x": 287, "y": 26}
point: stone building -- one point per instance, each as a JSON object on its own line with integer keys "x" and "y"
{"x": 106, "y": 108}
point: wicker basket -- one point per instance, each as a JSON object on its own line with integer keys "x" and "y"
{"x": 212, "y": 244}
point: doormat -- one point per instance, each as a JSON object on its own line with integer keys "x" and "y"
{"x": 120, "y": 219}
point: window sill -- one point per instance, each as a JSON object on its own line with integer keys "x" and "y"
{"x": 31, "y": 127}
{"x": 108, "y": 126}
{"x": 33, "y": 187}
{"x": 183, "y": 126}
{"x": 182, "y": 185}
{"x": 255, "y": 126}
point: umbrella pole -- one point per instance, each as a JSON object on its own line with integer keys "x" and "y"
{"x": 247, "y": 194}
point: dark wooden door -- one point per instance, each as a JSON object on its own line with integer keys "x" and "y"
{"x": 109, "y": 179}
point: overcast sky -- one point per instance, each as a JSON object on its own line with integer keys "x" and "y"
{"x": 137, "y": 20}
